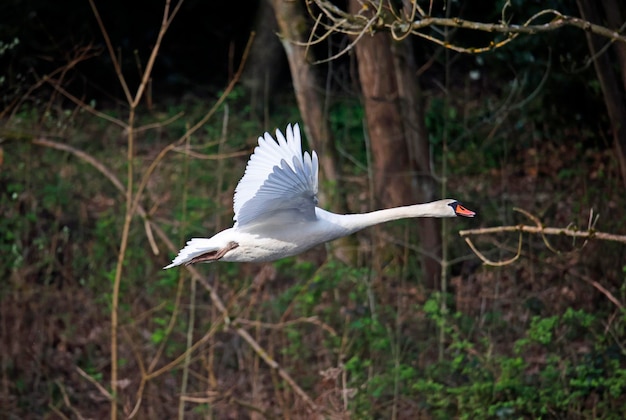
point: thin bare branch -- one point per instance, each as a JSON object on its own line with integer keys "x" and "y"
{"x": 568, "y": 231}
{"x": 192, "y": 130}
{"x": 496, "y": 263}
{"x": 559, "y": 21}
{"x": 400, "y": 25}
{"x": 349, "y": 46}
{"x": 150, "y": 236}
{"x": 81, "y": 54}
{"x": 280, "y": 325}
{"x": 95, "y": 383}
{"x": 539, "y": 229}
{"x": 600, "y": 288}
{"x": 66, "y": 400}
{"x": 539, "y": 225}
{"x": 159, "y": 124}
{"x": 217, "y": 156}
{"x": 86, "y": 107}
{"x": 165, "y": 24}
{"x": 114, "y": 60}
{"x": 274, "y": 365}
{"x": 83, "y": 156}
{"x": 169, "y": 366}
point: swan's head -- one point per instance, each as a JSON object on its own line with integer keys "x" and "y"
{"x": 458, "y": 209}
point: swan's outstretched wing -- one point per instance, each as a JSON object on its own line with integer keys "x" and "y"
{"x": 278, "y": 178}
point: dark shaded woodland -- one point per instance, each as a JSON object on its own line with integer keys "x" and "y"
{"x": 125, "y": 127}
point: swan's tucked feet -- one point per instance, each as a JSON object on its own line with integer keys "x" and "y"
{"x": 213, "y": 255}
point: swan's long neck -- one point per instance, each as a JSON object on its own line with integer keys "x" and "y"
{"x": 355, "y": 222}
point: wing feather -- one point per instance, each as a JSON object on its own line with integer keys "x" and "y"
{"x": 278, "y": 177}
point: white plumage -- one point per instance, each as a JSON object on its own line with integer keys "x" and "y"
{"x": 276, "y": 214}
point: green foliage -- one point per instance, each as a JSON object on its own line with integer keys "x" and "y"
{"x": 535, "y": 381}
{"x": 346, "y": 120}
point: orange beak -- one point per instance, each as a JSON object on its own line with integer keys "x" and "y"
{"x": 462, "y": 211}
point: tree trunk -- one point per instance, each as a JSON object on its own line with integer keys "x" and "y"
{"x": 613, "y": 95}
{"x": 416, "y": 139}
{"x": 615, "y": 18}
{"x": 292, "y": 25}
{"x": 293, "y": 28}
{"x": 394, "y": 117}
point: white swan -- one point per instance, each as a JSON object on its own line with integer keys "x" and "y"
{"x": 276, "y": 214}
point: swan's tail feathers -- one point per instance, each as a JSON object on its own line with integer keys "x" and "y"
{"x": 195, "y": 247}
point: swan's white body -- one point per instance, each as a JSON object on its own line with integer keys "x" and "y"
{"x": 276, "y": 214}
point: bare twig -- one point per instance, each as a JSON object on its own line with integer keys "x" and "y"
{"x": 66, "y": 400}
{"x": 169, "y": 366}
{"x": 274, "y": 365}
{"x": 568, "y": 231}
{"x": 280, "y": 325}
{"x": 496, "y": 263}
{"x": 85, "y": 106}
{"x": 600, "y": 288}
{"x": 192, "y": 130}
{"x": 213, "y": 156}
{"x": 192, "y": 299}
{"x": 103, "y": 169}
{"x": 114, "y": 60}
{"x": 131, "y": 204}
{"x": 400, "y": 25}
{"x": 142, "y": 369}
{"x": 95, "y": 383}
{"x": 150, "y": 236}
{"x": 539, "y": 225}
{"x": 168, "y": 16}
{"x": 81, "y": 54}
{"x": 571, "y": 231}
{"x": 159, "y": 124}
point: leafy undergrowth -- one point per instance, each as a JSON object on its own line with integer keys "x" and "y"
{"x": 542, "y": 337}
